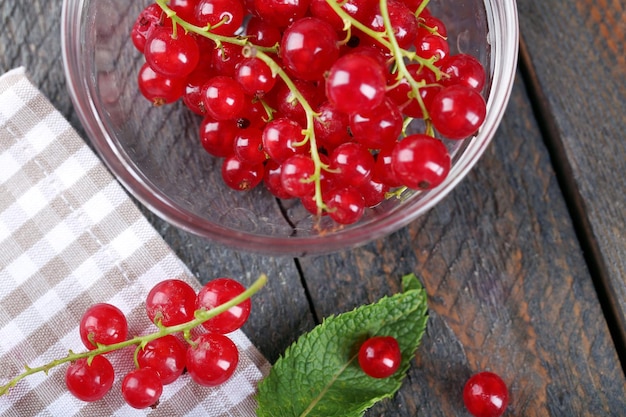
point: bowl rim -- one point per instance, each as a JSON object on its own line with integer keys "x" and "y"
{"x": 502, "y": 13}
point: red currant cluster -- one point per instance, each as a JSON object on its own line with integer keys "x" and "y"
{"x": 210, "y": 357}
{"x": 313, "y": 97}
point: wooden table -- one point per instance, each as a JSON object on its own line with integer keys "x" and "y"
{"x": 524, "y": 263}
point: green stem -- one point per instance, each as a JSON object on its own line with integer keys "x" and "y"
{"x": 140, "y": 341}
{"x": 309, "y": 131}
{"x": 206, "y": 31}
{"x": 398, "y": 52}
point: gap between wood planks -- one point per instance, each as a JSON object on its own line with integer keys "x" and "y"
{"x": 575, "y": 204}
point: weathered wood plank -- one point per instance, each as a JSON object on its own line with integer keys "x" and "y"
{"x": 577, "y": 50}
{"x": 508, "y": 289}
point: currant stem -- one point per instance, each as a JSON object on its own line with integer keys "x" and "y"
{"x": 398, "y": 53}
{"x": 206, "y": 31}
{"x": 309, "y": 131}
{"x": 140, "y": 341}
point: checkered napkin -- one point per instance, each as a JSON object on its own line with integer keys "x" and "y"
{"x": 70, "y": 237}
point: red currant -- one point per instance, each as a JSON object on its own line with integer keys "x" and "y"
{"x": 279, "y": 139}
{"x": 380, "y": 356}
{"x": 142, "y": 388}
{"x": 212, "y": 359}
{"x": 403, "y": 22}
{"x": 356, "y": 83}
{"x": 248, "y": 146}
{"x": 309, "y": 47}
{"x": 262, "y": 33}
{"x": 172, "y": 302}
{"x": 217, "y": 136}
{"x": 377, "y": 128}
{"x": 103, "y": 324}
{"x": 281, "y": 13}
{"x": 255, "y": 76}
{"x": 223, "y": 17}
{"x": 148, "y": 20}
{"x": 272, "y": 180}
{"x": 485, "y": 395}
{"x": 159, "y": 89}
{"x": 166, "y": 355}
{"x": 217, "y": 292}
{"x": 90, "y": 382}
{"x": 331, "y": 127}
{"x": 241, "y": 176}
{"x": 420, "y": 161}
{"x": 352, "y": 164}
{"x": 345, "y": 205}
{"x": 223, "y": 98}
{"x": 171, "y": 56}
{"x": 463, "y": 69}
{"x": 457, "y": 111}
{"x": 297, "y": 175}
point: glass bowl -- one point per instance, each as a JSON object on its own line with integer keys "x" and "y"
{"x": 155, "y": 151}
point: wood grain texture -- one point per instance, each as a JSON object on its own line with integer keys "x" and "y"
{"x": 578, "y": 54}
{"x": 508, "y": 289}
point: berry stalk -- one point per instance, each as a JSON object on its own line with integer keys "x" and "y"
{"x": 201, "y": 316}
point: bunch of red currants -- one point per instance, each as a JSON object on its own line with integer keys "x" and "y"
{"x": 208, "y": 355}
{"x": 313, "y": 97}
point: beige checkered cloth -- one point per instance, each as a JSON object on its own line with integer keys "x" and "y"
{"x": 70, "y": 237}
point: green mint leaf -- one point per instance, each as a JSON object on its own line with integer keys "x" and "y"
{"x": 319, "y": 374}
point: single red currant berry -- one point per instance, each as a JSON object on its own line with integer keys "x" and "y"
{"x": 223, "y": 99}
{"x": 217, "y": 136}
{"x": 148, "y": 20}
{"x": 255, "y": 77}
{"x": 90, "y": 381}
{"x": 356, "y": 83}
{"x": 352, "y": 164}
{"x": 379, "y": 127}
{"x": 226, "y": 58}
{"x": 281, "y": 13}
{"x": 171, "y": 302}
{"x": 217, "y": 292}
{"x": 309, "y": 47}
{"x": 297, "y": 175}
{"x": 380, "y": 356}
{"x": 223, "y": 17}
{"x": 248, "y": 146}
{"x": 159, "y": 89}
{"x": 282, "y": 138}
{"x": 463, "y": 69}
{"x": 185, "y": 9}
{"x": 383, "y": 169}
{"x": 212, "y": 359}
{"x": 103, "y": 324}
{"x": 373, "y": 192}
{"x": 345, "y": 205}
{"x": 262, "y": 33}
{"x": 166, "y": 355}
{"x": 241, "y": 176}
{"x": 457, "y": 111}
{"x": 485, "y": 395}
{"x": 420, "y": 162}
{"x": 432, "y": 46}
{"x": 403, "y": 22}
{"x": 331, "y": 127}
{"x": 142, "y": 388}
{"x": 171, "y": 56}
{"x": 272, "y": 180}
